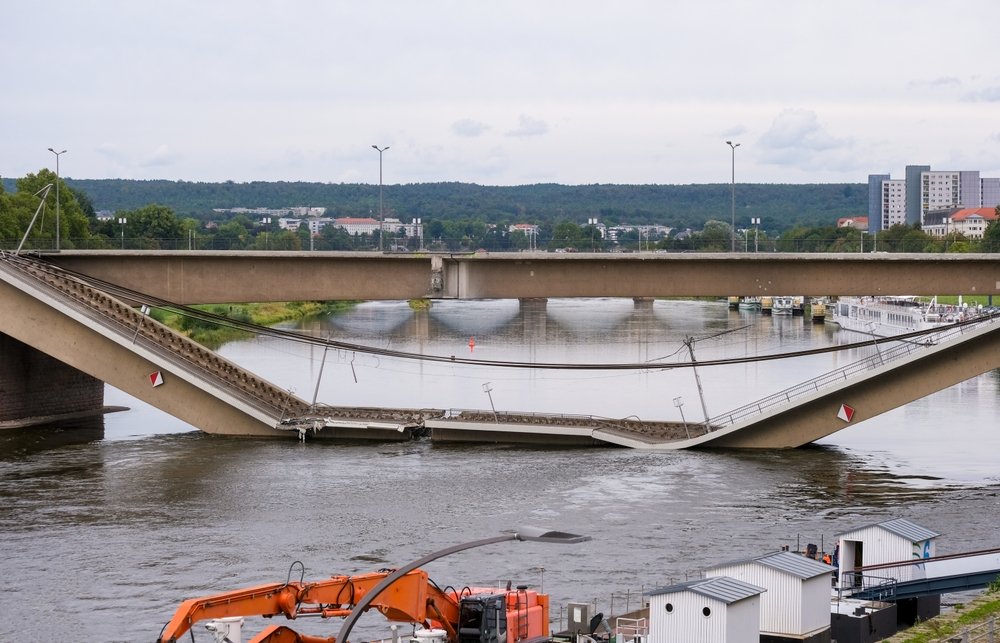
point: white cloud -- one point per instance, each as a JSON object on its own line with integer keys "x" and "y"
{"x": 469, "y": 128}
{"x": 987, "y": 95}
{"x": 161, "y": 156}
{"x": 797, "y": 138}
{"x": 528, "y": 126}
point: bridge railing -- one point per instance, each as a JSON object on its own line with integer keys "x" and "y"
{"x": 902, "y": 349}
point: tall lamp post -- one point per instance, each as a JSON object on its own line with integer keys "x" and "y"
{"x": 57, "y": 193}
{"x": 122, "y": 221}
{"x": 524, "y": 534}
{"x": 732, "y": 231}
{"x": 380, "y": 150}
{"x": 266, "y": 221}
{"x": 756, "y": 222}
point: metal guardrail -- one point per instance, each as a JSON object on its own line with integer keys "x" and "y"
{"x": 863, "y": 585}
{"x": 882, "y": 357}
{"x": 985, "y": 632}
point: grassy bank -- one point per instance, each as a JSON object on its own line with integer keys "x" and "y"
{"x": 980, "y": 610}
{"x": 266, "y": 314}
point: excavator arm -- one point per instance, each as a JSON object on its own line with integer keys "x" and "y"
{"x": 411, "y": 599}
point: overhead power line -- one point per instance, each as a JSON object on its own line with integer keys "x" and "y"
{"x": 138, "y": 298}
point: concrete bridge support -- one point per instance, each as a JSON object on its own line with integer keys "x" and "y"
{"x": 36, "y": 388}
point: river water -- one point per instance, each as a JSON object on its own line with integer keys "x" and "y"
{"x": 107, "y": 525}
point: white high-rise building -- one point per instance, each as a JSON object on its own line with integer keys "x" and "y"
{"x": 942, "y": 190}
{"x": 893, "y": 203}
{"x": 907, "y": 201}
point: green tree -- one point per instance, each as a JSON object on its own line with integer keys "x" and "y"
{"x": 74, "y": 227}
{"x": 991, "y": 236}
{"x": 714, "y": 237}
{"x": 566, "y": 234}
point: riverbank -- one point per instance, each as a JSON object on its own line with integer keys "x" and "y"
{"x": 971, "y": 617}
{"x": 261, "y": 314}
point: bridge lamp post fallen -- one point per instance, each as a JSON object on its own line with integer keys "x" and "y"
{"x": 524, "y": 534}
{"x": 679, "y": 403}
{"x": 871, "y": 329}
{"x": 488, "y": 389}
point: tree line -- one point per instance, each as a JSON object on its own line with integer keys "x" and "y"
{"x": 780, "y": 206}
{"x": 558, "y": 211}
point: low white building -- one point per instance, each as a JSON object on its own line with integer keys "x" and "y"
{"x": 708, "y": 610}
{"x": 969, "y": 222}
{"x": 357, "y": 225}
{"x": 796, "y": 605}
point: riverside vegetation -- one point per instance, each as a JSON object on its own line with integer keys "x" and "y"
{"x": 261, "y": 314}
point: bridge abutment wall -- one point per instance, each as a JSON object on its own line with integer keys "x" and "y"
{"x": 36, "y": 388}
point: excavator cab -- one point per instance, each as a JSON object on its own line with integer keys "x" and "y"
{"x": 483, "y": 619}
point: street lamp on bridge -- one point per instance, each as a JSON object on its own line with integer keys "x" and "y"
{"x": 732, "y": 211}
{"x": 380, "y": 224}
{"x": 58, "y": 154}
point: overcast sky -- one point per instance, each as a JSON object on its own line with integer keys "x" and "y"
{"x": 499, "y": 93}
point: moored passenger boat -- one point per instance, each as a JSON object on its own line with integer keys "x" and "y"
{"x": 887, "y": 316}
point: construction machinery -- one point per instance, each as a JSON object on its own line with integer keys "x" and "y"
{"x": 448, "y": 615}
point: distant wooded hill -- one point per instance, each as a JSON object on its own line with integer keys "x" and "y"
{"x": 779, "y": 206}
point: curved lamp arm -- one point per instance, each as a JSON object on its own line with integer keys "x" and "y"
{"x": 524, "y": 534}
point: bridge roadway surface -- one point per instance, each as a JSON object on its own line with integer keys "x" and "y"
{"x": 65, "y": 317}
{"x": 190, "y": 277}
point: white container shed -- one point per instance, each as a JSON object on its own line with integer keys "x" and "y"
{"x": 796, "y": 604}
{"x": 707, "y": 610}
{"x": 890, "y": 541}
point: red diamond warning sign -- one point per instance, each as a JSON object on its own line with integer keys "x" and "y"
{"x": 156, "y": 378}
{"x": 846, "y": 413}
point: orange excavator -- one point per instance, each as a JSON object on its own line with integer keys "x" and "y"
{"x": 469, "y": 615}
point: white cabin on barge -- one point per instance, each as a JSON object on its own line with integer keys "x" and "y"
{"x": 796, "y": 605}
{"x": 708, "y": 610}
{"x": 890, "y": 541}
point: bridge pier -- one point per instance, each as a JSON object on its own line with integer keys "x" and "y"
{"x": 37, "y": 389}
{"x": 643, "y": 303}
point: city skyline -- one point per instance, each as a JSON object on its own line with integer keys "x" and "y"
{"x": 511, "y": 94}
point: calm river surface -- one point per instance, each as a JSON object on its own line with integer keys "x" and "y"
{"x": 108, "y": 525}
